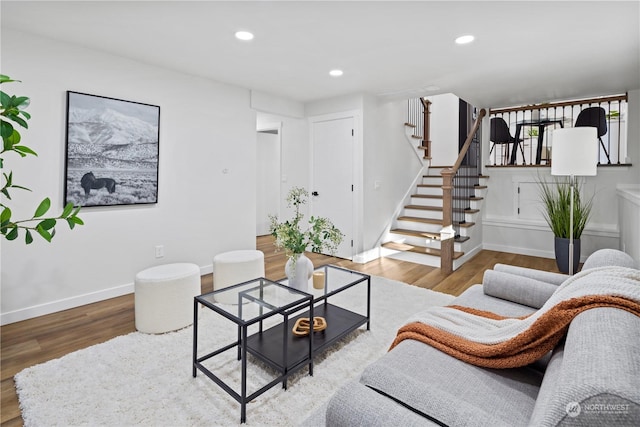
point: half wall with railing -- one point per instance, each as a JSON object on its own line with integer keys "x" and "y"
{"x": 523, "y": 136}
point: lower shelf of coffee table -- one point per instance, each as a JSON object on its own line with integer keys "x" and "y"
{"x": 268, "y": 345}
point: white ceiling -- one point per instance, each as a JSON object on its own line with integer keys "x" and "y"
{"x": 524, "y": 52}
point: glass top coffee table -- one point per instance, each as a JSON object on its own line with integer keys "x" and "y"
{"x": 258, "y": 300}
{"x": 340, "y": 317}
{"x": 276, "y": 345}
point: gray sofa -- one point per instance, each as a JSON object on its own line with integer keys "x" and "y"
{"x": 591, "y": 378}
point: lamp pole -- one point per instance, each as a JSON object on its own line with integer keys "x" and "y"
{"x": 572, "y": 178}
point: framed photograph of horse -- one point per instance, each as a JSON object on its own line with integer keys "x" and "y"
{"x": 112, "y": 151}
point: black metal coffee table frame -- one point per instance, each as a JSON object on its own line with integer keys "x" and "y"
{"x": 287, "y": 365}
{"x": 277, "y": 346}
{"x": 340, "y": 322}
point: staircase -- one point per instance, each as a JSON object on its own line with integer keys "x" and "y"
{"x": 415, "y": 233}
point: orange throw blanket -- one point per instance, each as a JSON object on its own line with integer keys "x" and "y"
{"x": 493, "y": 341}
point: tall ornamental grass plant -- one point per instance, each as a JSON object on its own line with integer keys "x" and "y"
{"x": 556, "y": 198}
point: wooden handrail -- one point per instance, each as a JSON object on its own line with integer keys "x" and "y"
{"x": 446, "y": 245}
{"x": 559, "y": 104}
{"x": 467, "y": 142}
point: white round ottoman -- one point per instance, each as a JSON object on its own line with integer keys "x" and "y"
{"x": 164, "y": 297}
{"x": 231, "y": 268}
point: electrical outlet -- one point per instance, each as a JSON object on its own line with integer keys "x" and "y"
{"x": 159, "y": 251}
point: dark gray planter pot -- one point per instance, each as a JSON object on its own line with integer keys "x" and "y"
{"x": 562, "y": 254}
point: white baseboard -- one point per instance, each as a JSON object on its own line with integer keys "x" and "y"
{"x": 75, "y": 301}
{"x": 64, "y": 304}
{"x": 519, "y": 250}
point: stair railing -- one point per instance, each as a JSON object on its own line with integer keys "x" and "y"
{"x": 419, "y": 116}
{"x": 457, "y": 190}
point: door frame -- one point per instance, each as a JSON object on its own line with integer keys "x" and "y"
{"x": 357, "y": 178}
{"x": 275, "y": 126}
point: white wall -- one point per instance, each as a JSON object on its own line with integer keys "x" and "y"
{"x": 267, "y": 180}
{"x": 390, "y": 166}
{"x": 506, "y": 230}
{"x": 206, "y": 129}
{"x": 444, "y": 129}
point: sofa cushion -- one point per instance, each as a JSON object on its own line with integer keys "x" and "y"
{"x": 523, "y": 290}
{"x": 451, "y": 391}
{"x": 594, "y": 379}
{"x": 475, "y": 297}
{"x": 609, "y": 257}
{"x": 358, "y": 405}
{"x": 543, "y": 276}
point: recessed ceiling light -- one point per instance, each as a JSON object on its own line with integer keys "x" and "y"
{"x": 244, "y": 35}
{"x": 335, "y": 73}
{"x": 465, "y": 39}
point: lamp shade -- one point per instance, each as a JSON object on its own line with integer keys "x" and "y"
{"x": 575, "y": 151}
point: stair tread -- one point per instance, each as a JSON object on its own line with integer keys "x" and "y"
{"x": 418, "y": 249}
{"x": 427, "y": 234}
{"x": 439, "y": 208}
{"x": 435, "y": 196}
{"x": 432, "y": 221}
{"x": 413, "y": 233}
{"x": 410, "y": 125}
{"x": 477, "y": 187}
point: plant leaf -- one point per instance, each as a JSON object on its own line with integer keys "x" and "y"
{"x": 28, "y": 238}
{"x": 19, "y": 120}
{"x": 67, "y": 210}
{"x": 77, "y": 220}
{"x": 11, "y": 235}
{"x": 6, "y": 79}
{"x": 6, "y": 129}
{"x": 21, "y": 102}
{"x": 24, "y": 149}
{"x": 43, "y": 208}
{"x": 44, "y": 233}
{"x": 5, "y": 216}
{"x": 47, "y": 224}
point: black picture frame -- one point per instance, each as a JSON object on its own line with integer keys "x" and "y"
{"x": 112, "y": 151}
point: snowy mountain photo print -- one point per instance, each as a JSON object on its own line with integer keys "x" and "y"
{"x": 112, "y": 151}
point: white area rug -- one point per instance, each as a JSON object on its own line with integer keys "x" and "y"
{"x": 140, "y": 379}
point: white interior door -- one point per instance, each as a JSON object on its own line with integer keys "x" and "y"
{"x": 268, "y": 179}
{"x": 332, "y": 185}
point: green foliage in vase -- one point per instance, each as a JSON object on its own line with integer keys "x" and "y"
{"x": 320, "y": 234}
{"x": 12, "y": 113}
{"x": 556, "y": 198}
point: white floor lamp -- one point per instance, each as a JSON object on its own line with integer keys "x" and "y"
{"x": 575, "y": 153}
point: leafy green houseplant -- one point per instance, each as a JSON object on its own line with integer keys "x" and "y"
{"x": 319, "y": 235}
{"x": 12, "y": 113}
{"x": 556, "y": 198}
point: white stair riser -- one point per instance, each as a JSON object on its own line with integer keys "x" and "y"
{"x": 421, "y": 201}
{"x": 418, "y": 226}
{"x": 423, "y": 214}
{"x": 431, "y": 180}
{"x": 430, "y": 260}
{"x": 421, "y": 241}
{"x": 421, "y": 227}
{"x": 429, "y": 191}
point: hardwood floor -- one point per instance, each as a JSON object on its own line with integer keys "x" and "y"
{"x": 38, "y": 340}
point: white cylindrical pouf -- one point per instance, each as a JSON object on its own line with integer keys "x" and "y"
{"x": 164, "y": 297}
{"x": 231, "y": 268}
